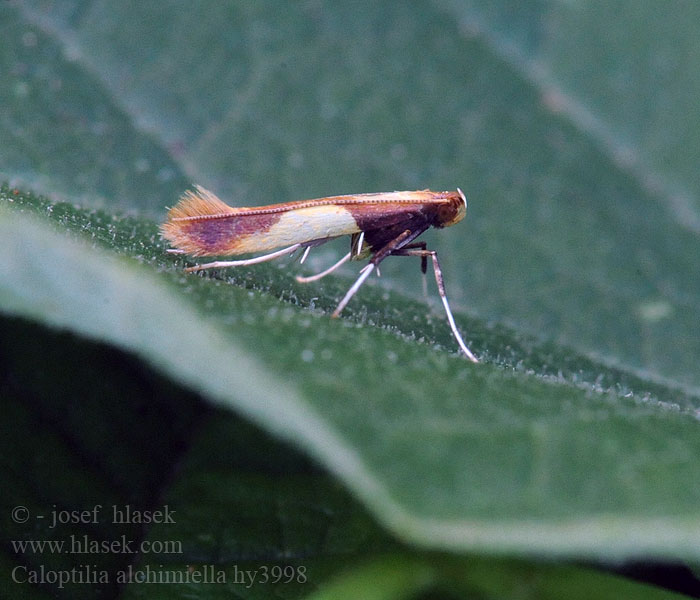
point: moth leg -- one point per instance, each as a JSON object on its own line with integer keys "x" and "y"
{"x": 364, "y": 274}
{"x": 443, "y": 295}
{"x": 306, "y": 253}
{"x": 244, "y": 263}
{"x": 366, "y": 271}
{"x": 302, "y": 279}
{"x": 423, "y": 256}
{"x": 423, "y": 264}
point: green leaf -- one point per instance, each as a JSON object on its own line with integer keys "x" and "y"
{"x": 505, "y": 458}
{"x": 388, "y": 577}
{"x": 568, "y": 125}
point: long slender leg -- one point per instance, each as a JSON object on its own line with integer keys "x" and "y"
{"x": 244, "y": 263}
{"x": 378, "y": 257}
{"x": 302, "y": 279}
{"x": 364, "y": 274}
{"x": 443, "y": 295}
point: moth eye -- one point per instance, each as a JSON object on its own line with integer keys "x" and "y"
{"x": 445, "y": 213}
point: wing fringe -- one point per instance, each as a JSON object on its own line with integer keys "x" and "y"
{"x": 199, "y": 203}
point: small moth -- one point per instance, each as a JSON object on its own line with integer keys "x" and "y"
{"x": 379, "y": 225}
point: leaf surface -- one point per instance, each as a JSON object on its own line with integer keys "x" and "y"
{"x": 446, "y": 453}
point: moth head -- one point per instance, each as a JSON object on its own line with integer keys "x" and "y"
{"x": 453, "y": 211}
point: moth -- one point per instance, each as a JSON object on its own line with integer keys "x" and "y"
{"x": 379, "y": 225}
